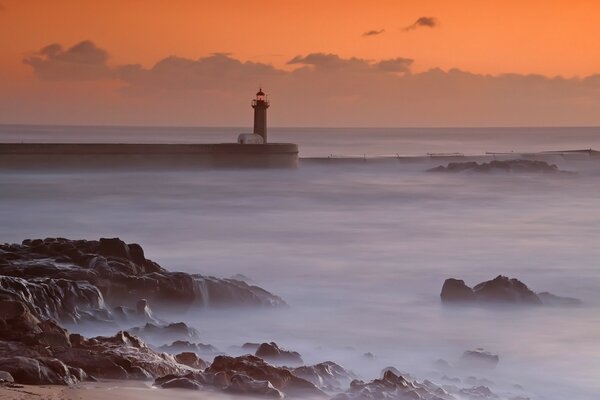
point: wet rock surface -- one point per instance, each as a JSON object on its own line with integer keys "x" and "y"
{"x": 496, "y": 166}
{"x": 327, "y": 376}
{"x": 500, "y": 290}
{"x": 72, "y": 280}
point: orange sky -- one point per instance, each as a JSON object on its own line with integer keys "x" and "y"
{"x": 492, "y": 36}
{"x": 549, "y": 37}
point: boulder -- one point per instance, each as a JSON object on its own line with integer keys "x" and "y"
{"x": 257, "y": 369}
{"x": 42, "y": 371}
{"x": 273, "y": 353}
{"x": 393, "y": 387}
{"x": 178, "y": 331}
{"x": 243, "y": 384}
{"x": 455, "y": 290}
{"x": 6, "y": 377}
{"x": 327, "y": 375}
{"x": 500, "y": 290}
{"x": 191, "y": 360}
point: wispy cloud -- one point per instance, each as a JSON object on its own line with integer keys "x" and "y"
{"x": 373, "y": 32}
{"x": 422, "y": 22}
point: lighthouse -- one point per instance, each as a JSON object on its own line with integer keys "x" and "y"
{"x": 260, "y": 104}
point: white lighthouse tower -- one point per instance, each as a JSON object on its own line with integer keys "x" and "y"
{"x": 260, "y": 105}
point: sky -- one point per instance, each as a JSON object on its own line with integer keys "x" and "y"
{"x": 323, "y": 63}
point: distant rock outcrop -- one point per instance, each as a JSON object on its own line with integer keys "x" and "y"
{"x": 516, "y": 166}
{"x": 500, "y": 290}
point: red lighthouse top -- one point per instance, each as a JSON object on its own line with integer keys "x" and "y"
{"x": 261, "y": 99}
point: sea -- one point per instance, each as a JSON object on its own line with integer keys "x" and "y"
{"x": 359, "y": 251}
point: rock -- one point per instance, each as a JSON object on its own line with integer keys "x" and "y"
{"x": 114, "y": 247}
{"x": 500, "y": 290}
{"x": 507, "y": 166}
{"x": 327, "y": 375}
{"x": 455, "y": 290}
{"x": 478, "y": 359}
{"x": 42, "y": 371}
{"x": 550, "y": 299}
{"x": 368, "y": 355}
{"x": 477, "y": 393}
{"x": 257, "y": 369}
{"x": 272, "y": 353}
{"x": 178, "y": 331}
{"x": 505, "y": 290}
{"x": 191, "y": 360}
{"x": 70, "y": 281}
{"x": 243, "y": 384}
{"x": 181, "y": 383}
{"x": 6, "y": 377}
{"x": 393, "y": 387}
{"x": 122, "y": 356}
{"x": 179, "y": 346}
{"x": 251, "y": 347}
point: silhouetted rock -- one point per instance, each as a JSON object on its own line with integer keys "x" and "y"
{"x": 455, "y": 290}
{"x": 273, "y": 353}
{"x": 516, "y": 166}
{"x": 478, "y": 359}
{"x": 500, "y": 290}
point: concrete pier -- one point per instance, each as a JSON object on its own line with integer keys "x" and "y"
{"x": 114, "y": 155}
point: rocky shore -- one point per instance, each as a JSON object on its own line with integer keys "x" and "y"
{"x": 49, "y": 288}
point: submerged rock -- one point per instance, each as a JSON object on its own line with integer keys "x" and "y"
{"x": 478, "y": 359}
{"x": 178, "y": 331}
{"x": 179, "y": 346}
{"x": 500, "y": 290}
{"x": 516, "y": 166}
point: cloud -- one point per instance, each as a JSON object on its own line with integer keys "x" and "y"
{"x": 427, "y": 22}
{"x": 83, "y": 61}
{"x": 313, "y": 89}
{"x": 398, "y": 64}
{"x": 373, "y": 32}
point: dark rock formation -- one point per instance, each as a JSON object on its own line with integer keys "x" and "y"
{"x": 181, "y": 383}
{"x": 516, "y": 166}
{"x": 500, "y": 290}
{"x": 478, "y": 359}
{"x": 243, "y": 384}
{"x": 271, "y": 352}
{"x": 41, "y": 371}
{"x": 393, "y": 387}
{"x": 70, "y": 280}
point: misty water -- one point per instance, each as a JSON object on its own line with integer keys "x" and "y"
{"x": 359, "y": 252}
